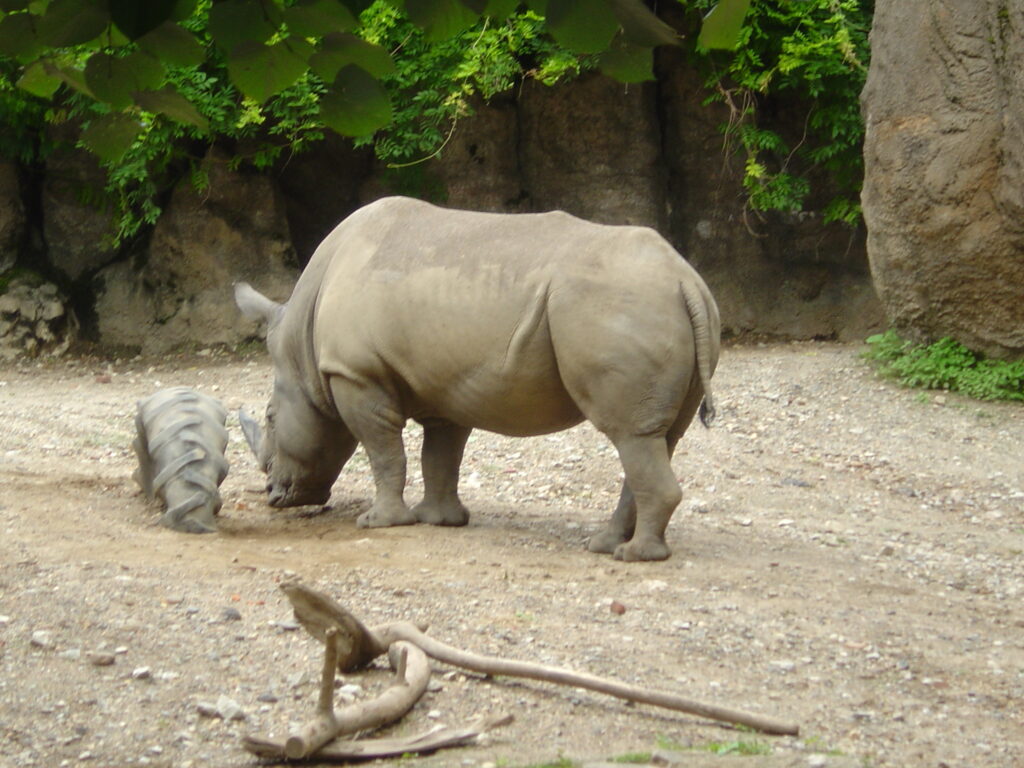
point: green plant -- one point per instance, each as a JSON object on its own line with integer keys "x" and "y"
{"x": 814, "y": 52}
{"x": 633, "y": 758}
{"x": 736, "y": 748}
{"x": 946, "y": 364}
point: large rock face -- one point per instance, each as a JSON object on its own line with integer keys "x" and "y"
{"x": 202, "y": 244}
{"x": 77, "y": 229}
{"x": 944, "y": 190}
{"x": 592, "y": 147}
{"x": 12, "y": 216}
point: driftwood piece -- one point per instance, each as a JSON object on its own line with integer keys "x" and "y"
{"x": 356, "y": 646}
{"x": 411, "y": 678}
{"x": 382, "y": 637}
{"x": 369, "y": 749}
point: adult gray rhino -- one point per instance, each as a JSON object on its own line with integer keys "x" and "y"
{"x": 517, "y": 324}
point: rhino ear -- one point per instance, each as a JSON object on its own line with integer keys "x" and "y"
{"x": 252, "y": 432}
{"x": 255, "y": 305}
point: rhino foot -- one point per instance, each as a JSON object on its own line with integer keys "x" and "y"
{"x": 606, "y": 541}
{"x": 648, "y": 548}
{"x": 385, "y": 515}
{"x": 441, "y": 513}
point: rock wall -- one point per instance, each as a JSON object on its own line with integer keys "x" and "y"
{"x": 944, "y": 153}
{"x": 203, "y": 243}
{"x": 12, "y": 216}
{"x": 648, "y": 155}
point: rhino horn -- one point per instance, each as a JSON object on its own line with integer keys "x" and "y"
{"x": 251, "y": 430}
{"x": 255, "y": 305}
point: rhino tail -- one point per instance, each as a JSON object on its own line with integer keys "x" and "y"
{"x": 697, "y": 309}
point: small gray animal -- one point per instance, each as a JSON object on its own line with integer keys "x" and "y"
{"x": 518, "y": 324}
{"x": 180, "y": 445}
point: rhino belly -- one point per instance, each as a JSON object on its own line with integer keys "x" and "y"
{"x": 518, "y": 406}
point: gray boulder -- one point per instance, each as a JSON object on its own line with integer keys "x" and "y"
{"x": 34, "y": 319}
{"x": 944, "y": 156}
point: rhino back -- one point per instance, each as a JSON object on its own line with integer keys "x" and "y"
{"x": 472, "y": 316}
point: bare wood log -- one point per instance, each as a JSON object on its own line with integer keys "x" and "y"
{"x": 323, "y": 609}
{"x": 324, "y": 726}
{"x": 317, "y": 613}
{"x": 492, "y": 665}
{"x": 369, "y": 749}
{"x": 394, "y": 702}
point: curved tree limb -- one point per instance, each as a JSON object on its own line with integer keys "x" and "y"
{"x": 312, "y": 609}
{"x": 492, "y": 665}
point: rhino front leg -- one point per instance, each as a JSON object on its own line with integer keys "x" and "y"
{"x": 443, "y": 446}
{"x": 376, "y": 423}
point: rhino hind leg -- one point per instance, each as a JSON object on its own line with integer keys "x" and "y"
{"x": 620, "y": 528}
{"x": 443, "y": 446}
{"x": 656, "y": 493}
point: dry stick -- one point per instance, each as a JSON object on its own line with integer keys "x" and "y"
{"x": 386, "y": 708}
{"x": 496, "y": 666}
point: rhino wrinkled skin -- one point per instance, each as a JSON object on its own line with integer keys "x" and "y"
{"x": 520, "y": 324}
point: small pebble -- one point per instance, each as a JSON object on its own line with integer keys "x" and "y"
{"x": 617, "y": 608}
{"x": 43, "y": 639}
{"x": 100, "y": 658}
{"x": 141, "y": 673}
{"x": 231, "y": 614}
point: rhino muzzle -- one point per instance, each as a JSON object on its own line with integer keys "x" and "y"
{"x": 285, "y": 494}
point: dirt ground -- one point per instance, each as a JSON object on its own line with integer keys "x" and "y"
{"x": 848, "y": 556}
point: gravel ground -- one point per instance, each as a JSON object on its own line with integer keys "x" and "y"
{"x": 848, "y": 556}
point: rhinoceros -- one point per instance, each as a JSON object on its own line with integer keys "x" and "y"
{"x": 519, "y": 324}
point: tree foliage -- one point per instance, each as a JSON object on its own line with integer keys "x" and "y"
{"x": 150, "y": 86}
{"x": 815, "y": 52}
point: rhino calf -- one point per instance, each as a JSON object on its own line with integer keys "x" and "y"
{"x": 180, "y": 444}
{"x": 520, "y": 324}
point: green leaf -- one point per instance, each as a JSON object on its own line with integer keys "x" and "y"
{"x": 440, "y": 19}
{"x": 316, "y": 18}
{"x": 356, "y": 7}
{"x": 37, "y": 81}
{"x": 137, "y": 17}
{"x": 13, "y": 5}
{"x": 627, "y": 63}
{"x": 582, "y": 26}
{"x": 173, "y": 44}
{"x": 72, "y": 22}
{"x": 18, "y": 36}
{"x": 167, "y": 101}
{"x": 721, "y": 27}
{"x": 237, "y": 21}
{"x": 356, "y": 104}
{"x": 110, "y": 136}
{"x": 183, "y": 9}
{"x": 261, "y": 70}
{"x": 69, "y": 76}
{"x": 113, "y": 79}
{"x": 500, "y": 9}
{"x": 641, "y": 26}
{"x": 340, "y": 49}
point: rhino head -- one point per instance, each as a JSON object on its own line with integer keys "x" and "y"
{"x": 301, "y": 448}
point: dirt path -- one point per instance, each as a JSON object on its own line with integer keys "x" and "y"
{"x": 848, "y": 555}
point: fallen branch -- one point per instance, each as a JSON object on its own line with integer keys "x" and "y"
{"x": 412, "y": 675}
{"x": 315, "y": 609}
{"x": 492, "y": 665}
{"x": 370, "y": 749}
